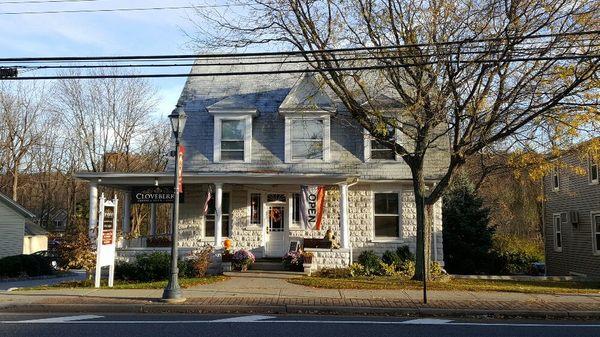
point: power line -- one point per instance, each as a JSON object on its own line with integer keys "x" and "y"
{"x": 41, "y": 2}
{"x": 104, "y": 10}
{"x": 292, "y": 71}
{"x": 345, "y": 58}
{"x": 287, "y": 53}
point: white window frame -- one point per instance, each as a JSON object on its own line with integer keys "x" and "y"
{"x": 367, "y": 148}
{"x": 591, "y": 163}
{"x": 400, "y": 238}
{"x": 224, "y": 212}
{"x": 218, "y": 121}
{"x": 593, "y": 215}
{"x": 555, "y": 232}
{"x": 556, "y": 173}
{"x": 326, "y": 138}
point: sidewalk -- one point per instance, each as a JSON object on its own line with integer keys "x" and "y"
{"x": 270, "y": 293}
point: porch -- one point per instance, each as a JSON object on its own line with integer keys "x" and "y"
{"x": 257, "y": 211}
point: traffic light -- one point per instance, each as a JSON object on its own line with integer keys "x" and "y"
{"x": 8, "y": 72}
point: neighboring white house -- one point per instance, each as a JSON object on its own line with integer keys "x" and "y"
{"x": 12, "y": 226}
{"x": 35, "y": 238}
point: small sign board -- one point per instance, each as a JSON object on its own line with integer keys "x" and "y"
{"x": 294, "y": 246}
{"x": 105, "y": 242}
{"x": 154, "y": 195}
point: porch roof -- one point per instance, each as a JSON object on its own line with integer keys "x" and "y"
{"x": 125, "y": 180}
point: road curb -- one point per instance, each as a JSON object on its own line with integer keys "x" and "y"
{"x": 293, "y": 309}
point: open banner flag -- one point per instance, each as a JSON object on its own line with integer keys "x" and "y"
{"x": 312, "y": 201}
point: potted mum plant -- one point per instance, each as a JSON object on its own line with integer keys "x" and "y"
{"x": 293, "y": 261}
{"x": 242, "y": 259}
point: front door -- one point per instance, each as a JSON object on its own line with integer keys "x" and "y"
{"x": 275, "y": 240}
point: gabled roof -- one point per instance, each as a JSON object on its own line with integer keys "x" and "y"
{"x": 33, "y": 229}
{"x": 235, "y": 103}
{"x": 15, "y": 206}
{"x": 307, "y": 94}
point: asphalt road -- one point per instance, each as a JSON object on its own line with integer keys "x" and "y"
{"x": 149, "y": 325}
{"x": 75, "y": 275}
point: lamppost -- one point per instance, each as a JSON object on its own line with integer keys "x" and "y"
{"x": 424, "y": 263}
{"x": 172, "y": 292}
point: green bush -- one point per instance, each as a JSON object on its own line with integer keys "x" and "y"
{"x": 391, "y": 258}
{"x": 514, "y": 255}
{"x": 467, "y": 235}
{"x": 25, "y": 265}
{"x": 406, "y": 268}
{"x": 404, "y": 254}
{"x": 371, "y": 262}
{"x": 157, "y": 266}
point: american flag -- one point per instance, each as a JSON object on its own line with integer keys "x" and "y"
{"x": 208, "y": 197}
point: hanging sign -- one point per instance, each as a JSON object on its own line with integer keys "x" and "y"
{"x": 105, "y": 242}
{"x": 180, "y": 153}
{"x": 154, "y": 195}
{"x": 312, "y": 200}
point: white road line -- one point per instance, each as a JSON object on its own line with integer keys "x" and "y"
{"x": 242, "y": 319}
{"x": 64, "y": 319}
{"x": 428, "y": 321}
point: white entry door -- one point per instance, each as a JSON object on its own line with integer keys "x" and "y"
{"x": 276, "y": 230}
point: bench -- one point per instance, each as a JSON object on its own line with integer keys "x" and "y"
{"x": 316, "y": 243}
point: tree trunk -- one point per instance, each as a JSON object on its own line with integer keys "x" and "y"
{"x": 15, "y": 182}
{"x": 424, "y": 210}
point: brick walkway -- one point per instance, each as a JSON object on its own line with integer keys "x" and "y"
{"x": 271, "y": 290}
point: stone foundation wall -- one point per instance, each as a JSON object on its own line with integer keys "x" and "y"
{"x": 329, "y": 258}
{"x": 360, "y": 213}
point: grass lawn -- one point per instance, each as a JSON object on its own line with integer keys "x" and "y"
{"x": 383, "y": 282}
{"x": 183, "y": 282}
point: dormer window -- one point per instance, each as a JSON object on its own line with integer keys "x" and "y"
{"x": 374, "y": 150}
{"x": 232, "y": 139}
{"x": 232, "y": 134}
{"x": 307, "y": 139}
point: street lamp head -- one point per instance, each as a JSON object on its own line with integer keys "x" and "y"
{"x": 177, "y": 119}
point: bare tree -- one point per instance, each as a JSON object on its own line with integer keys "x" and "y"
{"x": 466, "y": 75}
{"x": 24, "y": 116}
{"x": 105, "y": 116}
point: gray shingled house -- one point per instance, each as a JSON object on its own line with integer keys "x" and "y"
{"x": 254, "y": 140}
{"x": 572, "y": 217}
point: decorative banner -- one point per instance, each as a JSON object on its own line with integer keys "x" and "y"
{"x": 180, "y": 153}
{"x": 105, "y": 242}
{"x": 154, "y": 195}
{"x": 312, "y": 201}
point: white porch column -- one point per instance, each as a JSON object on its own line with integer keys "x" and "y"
{"x": 344, "y": 228}
{"x": 126, "y": 213}
{"x": 152, "y": 219}
{"x": 93, "y": 211}
{"x": 218, "y": 214}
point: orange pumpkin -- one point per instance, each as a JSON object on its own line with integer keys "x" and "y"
{"x": 227, "y": 244}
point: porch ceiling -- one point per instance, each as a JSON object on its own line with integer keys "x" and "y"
{"x": 124, "y": 180}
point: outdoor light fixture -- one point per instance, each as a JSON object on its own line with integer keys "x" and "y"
{"x": 172, "y": 292}
{"x": 177, "y": 118}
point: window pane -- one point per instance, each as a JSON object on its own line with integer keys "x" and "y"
{"x": 232, "y": 155}
{"x": 594, "y": 172}
{"x": 597, "y": 241}
{"x": 255, "y": 208}
{"x": 307, "y": 150}
{"x": 296, "y": 210}
{"x": 307, "y": 129}
{"x": 232, "y": 129}
{"x": 558, "y": 240}
{"x": 386, "y": 203}
{"x": 387, "y": 226}
{"x": 209, "y": 222}
{"x": 232, "y": 145}
{"x": 597, "y": 223}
